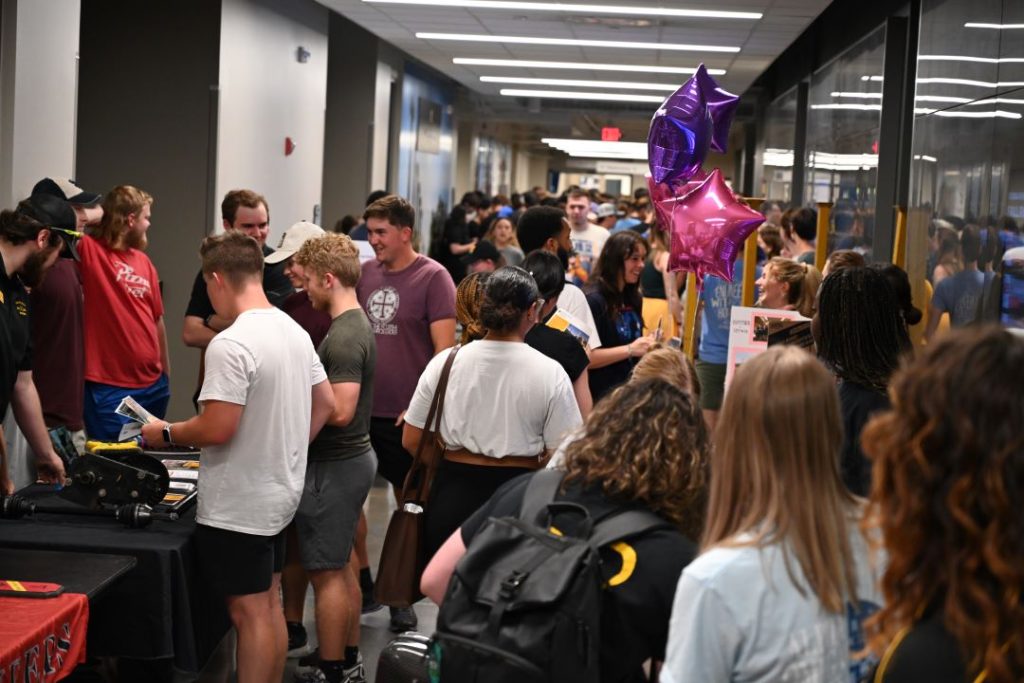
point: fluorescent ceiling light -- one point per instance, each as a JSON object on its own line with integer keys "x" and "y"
{"x": 530, "y": 64}
{"x": 859, "y": 95}
{"x": 998, "y": 27}
{"x": 856, "y": 107}
{"x": 597, "y": 149}
{"x": 566, "y": 95}
{"x": 585, "y": 9}
{"x": 568, "y": 82}
{"x": 825, "y": 161}
{"x": 997, "y": 114}
{"x": 966, "y": 58}
{"x": 873, "y": 79}
{"x": 967, "y": 81}
{"x": 531, "y": 40}
{"x": 925, "y": 157}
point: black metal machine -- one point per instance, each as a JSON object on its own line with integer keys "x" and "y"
{"x": 111, "y": 480}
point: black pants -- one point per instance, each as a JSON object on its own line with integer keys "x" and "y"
{"x": 457, "y": 492}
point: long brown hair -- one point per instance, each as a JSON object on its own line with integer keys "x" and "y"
{"x": 948, "y": 479}
{"x": 646, "y": 442}
{"x": 118, "y": 204}
{"x": 775, "y": 473}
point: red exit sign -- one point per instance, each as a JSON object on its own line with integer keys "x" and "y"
{"x": 611, "y": 134}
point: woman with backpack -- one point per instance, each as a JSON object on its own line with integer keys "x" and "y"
{"x": 643, "y": 448}
{"x": 783, "y": 582}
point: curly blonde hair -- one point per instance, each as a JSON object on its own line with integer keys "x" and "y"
{"x": 646, "y": 443}
{"x": 331, "y": 253}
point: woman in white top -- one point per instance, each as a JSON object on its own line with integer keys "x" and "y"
{"x": 784, "y": 583}
{"x": 507, "y": 406}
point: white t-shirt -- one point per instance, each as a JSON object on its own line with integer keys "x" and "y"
{"x": 267, "y": 363}
{"x": 503, "y": 398}
{"x": 588, "y": 243}
{"x": 738, "y": 617}
{"x": 573, "y": 300}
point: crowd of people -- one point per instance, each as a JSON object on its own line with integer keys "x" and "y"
{"x": 841, "y": 513}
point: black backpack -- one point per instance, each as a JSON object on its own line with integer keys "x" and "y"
{"x": 524, "y": 602}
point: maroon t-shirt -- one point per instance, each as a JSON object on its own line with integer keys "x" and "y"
{"x": 301, "y": 310}
{"x": 58, "y": 360}
{"x": 401, "y": 306}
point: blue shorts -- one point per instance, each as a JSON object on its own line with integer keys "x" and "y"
{"x": 101, "y": 400}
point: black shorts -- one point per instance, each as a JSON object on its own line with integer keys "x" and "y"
{"x": 393, "y": 461}
{"x": 233, "y": 563}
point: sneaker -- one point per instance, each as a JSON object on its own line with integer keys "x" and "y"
{"x": 313, "y": 674}
{"x": 370, "y": 603}
{"x": 308, "y": 666}
{"x": 403, "y": 619}
{"x": 298, "y": 641}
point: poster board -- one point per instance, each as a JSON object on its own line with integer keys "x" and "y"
{"x": 750, "y": 329}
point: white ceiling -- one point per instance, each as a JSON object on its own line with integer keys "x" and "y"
{"x": 760, "y": 42}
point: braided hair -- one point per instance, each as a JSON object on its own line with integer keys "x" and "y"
{"x": 862, "y": 334}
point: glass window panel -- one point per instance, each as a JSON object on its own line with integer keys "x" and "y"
{"x": 843, "y": 120}
{"x": 775, "y": 154}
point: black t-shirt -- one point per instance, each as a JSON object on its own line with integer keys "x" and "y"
{"x": 642, "y": 574}
{"x": 927, "y": 654}
{"x": 15, "y": 334}
{"x": 276, "y": 285}
{"x": 619, "y": 330}
{"x": 560, "y": 346}
{"x": 455, "y": 232}
{"x": 857, "y": 403}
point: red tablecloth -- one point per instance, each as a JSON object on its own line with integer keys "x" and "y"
{"x": 42, "y": 639}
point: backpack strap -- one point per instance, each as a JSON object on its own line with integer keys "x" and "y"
{"x": 540, "y": 492}
{"x": 623, "y": 524}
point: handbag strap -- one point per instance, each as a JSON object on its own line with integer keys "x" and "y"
{"x": 431, "y": 429}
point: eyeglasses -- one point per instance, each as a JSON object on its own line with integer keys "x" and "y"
{"x": 540, "y": 303}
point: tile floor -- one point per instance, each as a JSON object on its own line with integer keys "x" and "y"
{"x": 375, "y": 633}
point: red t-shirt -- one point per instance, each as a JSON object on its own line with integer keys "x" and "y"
{"x": 122, "y": 306}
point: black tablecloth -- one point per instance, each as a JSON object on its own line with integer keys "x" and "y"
{"x": 87, "y": 573}
{"x": 158, "y": 610}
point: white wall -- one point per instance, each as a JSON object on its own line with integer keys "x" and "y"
{"x": 38, "y": 82}
{"x": 386, "y": 75}
{"x": 267, "y": 95}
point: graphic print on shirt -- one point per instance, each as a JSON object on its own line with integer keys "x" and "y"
{"x": 136, "y": 285}
{"x": 862, "y": 663}
{"x": 585, "y": 254}
{"x": 382, "y": 307}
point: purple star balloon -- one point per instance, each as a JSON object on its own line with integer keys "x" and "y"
{"x": 680, "y": 134}
{"x": 722, "y": 106}
{"x": 709, "y": 227}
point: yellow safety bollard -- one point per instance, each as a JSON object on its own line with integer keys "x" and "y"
{"x": 821, "y": 241}
{"x": 750, "y": 260}
{"x": 899, "y": 245}
{"x": 690, "y": 316}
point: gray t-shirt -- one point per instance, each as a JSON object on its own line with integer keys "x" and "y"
{"x": 349, "y": 354}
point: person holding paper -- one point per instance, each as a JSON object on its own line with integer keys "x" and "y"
{"x": 265, "y": 396}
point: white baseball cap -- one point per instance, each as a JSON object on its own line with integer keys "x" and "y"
{"x": 293, "y": 238}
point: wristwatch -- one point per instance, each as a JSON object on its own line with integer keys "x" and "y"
{"x": 167, "y": 434}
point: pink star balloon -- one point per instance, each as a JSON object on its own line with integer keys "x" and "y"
{"x": 664, "y": 195}
{"x": 709, "y": 227}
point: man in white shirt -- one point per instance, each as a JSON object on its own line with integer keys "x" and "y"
{"x": 587, "y": 239}
{"x": 264, "y": 397}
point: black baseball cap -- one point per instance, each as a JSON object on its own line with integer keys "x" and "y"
{"x": 65, "y": 189}
{"x": 57, "y": 215}
{"x": 484, "y": 250}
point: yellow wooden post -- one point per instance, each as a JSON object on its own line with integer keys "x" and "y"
{"x": 899, "y": 245}
{"x": 750, "y": 260}
{"x": 821, "y": 241}
{"x": 690, "y": 316}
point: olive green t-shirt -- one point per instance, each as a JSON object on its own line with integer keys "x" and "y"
{"x": 348, "y": 354}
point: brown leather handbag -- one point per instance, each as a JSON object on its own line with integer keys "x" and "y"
{"x": 401, "y": 558}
